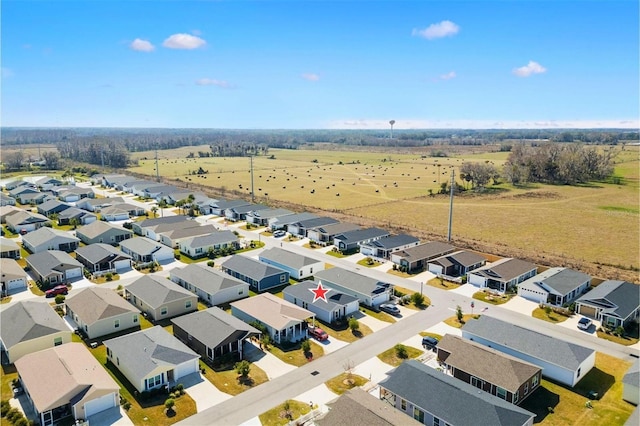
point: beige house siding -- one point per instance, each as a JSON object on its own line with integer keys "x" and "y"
{"x": 23, "y": 348}
{"x": 174, "y": 308}
{"x": 107, "y": 325}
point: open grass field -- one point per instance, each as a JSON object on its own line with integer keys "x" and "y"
{"x": 593, "y": 227}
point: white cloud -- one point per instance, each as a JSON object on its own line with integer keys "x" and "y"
{"x": 529, "y": 69}
{"x": 142, "y": 45}
{"x": 213, "y": 82}
{"x": 483, "y": 124}
{"x": 183, "y": 41}
{"x": 311, "y": 76}
{"x": 439, "y": 30}
{"x": 448, "y": 76}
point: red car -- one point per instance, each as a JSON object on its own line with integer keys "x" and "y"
{"x": 318, "y": 333}
{"x": 59, "y": 289}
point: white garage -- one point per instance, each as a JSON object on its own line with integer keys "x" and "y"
{"x": 73, "y": 273}
{"x": 186, "y": 368}
{"x": 98, "y": 405}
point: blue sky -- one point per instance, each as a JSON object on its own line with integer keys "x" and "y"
{"x": 320, "y": 64}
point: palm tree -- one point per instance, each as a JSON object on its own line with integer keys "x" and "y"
{"x": 154, "y": 209}
{"x": 162, "y": 205}
{"x": 180, "y": 204}
{"x": 74, "y": 221}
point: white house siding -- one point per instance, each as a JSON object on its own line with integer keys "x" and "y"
{"x": 18, "y": 283}
{"x": 107, "y": 325}
{"x": 70, "y": 198}
{"x": 116, "y": 216}
{"x": 230, "y": 295}
{"x": 630, "y": 393}
{"x": 98, "y": 405}
{"x": 378, "y": 299}
{"x": 122, "y": 264}
{"x": 163, "y": 254}
{"x": 185, "y": 369}
{"x": 34, "y": 345}
{"x": 539, "y": 295}
{"x": 73, "y": 273}
{"x": 477, "y": 280}
{"x": 552, "y": 371}
{"x": 434, "y": 268}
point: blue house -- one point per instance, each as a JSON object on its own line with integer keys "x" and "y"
{"x": 258, "y": 275}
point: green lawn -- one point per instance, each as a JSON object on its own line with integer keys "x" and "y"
{"x": 343, "y": 332}
{"x": 442, "y": 284}
{"x": 390, "y": 357}
{"x": 411, "y": 305}
{"x": 382, "y": 316}
{"x": 103, "y": 279}
{"x": 277, "y": 415}
{"x": 368, "y": 262}
{"x": 552, "y": 317}
{"x": 345, "y": 381}
{"x": 294, "y": 355}
{"x": 491, "y": 298}
{"x": 569, "y": 403}
{"x": 453, "y": 321}
{"x": 337, "y": 254}
{"x": 425, "y": 334}
{"x": 228, "y": 381}
{"x": 188, "y": 260}
{"x": 626, "y": 340}
{"x": 9, "y": 373}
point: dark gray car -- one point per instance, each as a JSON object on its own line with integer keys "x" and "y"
{"x": 429, "y": 342}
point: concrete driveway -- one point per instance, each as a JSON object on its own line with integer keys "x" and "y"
{"x": 372, "y": 369}
{"x": 466, "y": 290}
{"x": 202, "y": 391}
{"x": 271, "y": 364}
{"x": 371, "y": 322}
{"x": 572, "y": 324}
{"x": 442, "y": 329}
{"x": 520, "y": 305}
{"x": 113, "y": 416}
{"x": 331, "y": 344}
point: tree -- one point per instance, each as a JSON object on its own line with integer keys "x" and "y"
{"x": 51, "y": 159}
{"x": 154, "y": 210}
{"x": 401, "y": 351}
{"x": 417, "y": 299}
{"x": 243, "y": 368}
{"x": 162, "y": 204}
{"x": 59, "y": 299}
{"x": 180, "y": 204}
{"x": 13, "y": 160}
{"x": 305, "y": 346}
{"x": 354, "y": 325}
{"x": 74, "y": 221}
{"x": 169, "y": 404}
{"x": 459, "y": 313}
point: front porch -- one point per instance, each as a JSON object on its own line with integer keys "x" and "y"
{"x": 291, "y": 334}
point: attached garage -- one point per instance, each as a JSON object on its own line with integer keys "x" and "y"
{"x": 185, "y": 369}
{"x": 100, "y": 404}
{"x": 74, "y": 273}
{"x": 434, "y": 268}
{"x": 587, "y": 311}
{"x": 122, "y": 264}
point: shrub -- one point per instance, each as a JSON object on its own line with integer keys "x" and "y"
{"x": 126, "y": 406}
{"x": 169, "y": 403}
{"x": 4, "y": 408}
{"x": 177, "y": 256}
{"x": 21, "y": 421}
{"x": 401, "y": 351}
{"x": 619, "y": 331}
{"x": 354, "y": 325}
{"x": 180, "y": 388}
{"x": 547, "y": 310}
{"x": 12, "y": 414}
{"x": 211, "y": 263}
{"x": 109, "y": 276}
{"x": 59, "y": 299}
{"x": 417, "y": 299}
{"x": 459, "y": 313}
{"x": 242, "y": 368}
{"x": 305, "y": 346}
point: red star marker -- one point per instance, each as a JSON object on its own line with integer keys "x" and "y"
{"x": 319, "y": 292}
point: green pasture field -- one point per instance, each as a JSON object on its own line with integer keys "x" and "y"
{"x": 595, "y": 223}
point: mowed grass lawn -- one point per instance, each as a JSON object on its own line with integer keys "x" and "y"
{"x": 569, "y": 404}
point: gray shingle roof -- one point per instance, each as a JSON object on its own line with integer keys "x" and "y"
{"x": 141, "y": 245}
{"x": 11, "y": 270}
{"x": 361, "y": 234}
{"x": 206, "y": 278}
{"x": 170, "y": 220}
{"x": 51, "y": 205}
{"x": 99, "y": 252}
{"x": 229, "y": 204}
{"x": 303, "y": 292}
{"x": 359, "y": 283}
{"x": 99, "y": 227}
{"x": 293, "y": 218}
{"x": 269, "y": 213}
{"x": 248, "y": 208}
{"x": 22, "y": 217}
{"x": 450, "y": 399}
{"x": 428, "y": 250}
{"x": 625, "y": 295}
{"x": 192, "y": 231}
{"x": 214, "y": 238}
{"x": 74, "y": 212}
{"x": 394, "y": 241}
{"x": 93, "y": 304}
{"x": 632, "y": 376}
{"x": 214, "y": 327}
{"x": 537, "y": 345}
{"x": 313, "y": 222}
{"x": 463, "y": 257}
{"x": 157, "y": 291}
{"x": 287, "y": 258}
{"x": 52, "y": 260}
{"x": 250, "y": 267}
{"x": 27, "y": 320}
{"x": 145, "y": 350}
{"x": 505, "y": 270}
{"x": 272, "y": 311}
{"x": 336, "y": 228}
{"x": 566, "y": 280}
{"x": 7, "y": 244}
{"x": 44, "y": 234}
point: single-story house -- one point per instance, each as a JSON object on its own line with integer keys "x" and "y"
{"x": 47, "y": 183}
{"x": 156, "y": 192}
{"x": 29, "y": 326}
{"x": 117, "y": 181}
{"x": 502, "y": 275}
{"x": 97, "y": 204}
{"x": 144, "y": 251}
{"x": 369, "y": 291}
{"x": 353, "y": 240}
{"x": 103, "y": 232}
{"x": 6, "y": 211}
{"x": 300, "y": 227}
{"x": 26, "y": 220}
{"x": 52, "y": 206}
{"x": 152, "y": 358}
{"x": 283, "y": 222}
{"x": 456, "y": 264}
{"x": 261, "y": 217}
{"x": 204, "y": 203}
{"x": 158, "y": 298}
{"x": 5, "y": 200}
{"x": 14, "y": 278}
{"x": 416, "y": 258}
{"x": 555, "y": 286}
{"x": 99, "y": 311}
{"x": 49, "y": 239}
{"x": 338, "y": 306}
{"x": 151, "y": 228}
{"x": 284, "y": 321}
{"x": 369, "y": 410}
{"x": 614, "y": 303}
{"x": 213, "y": 333}
{"x": 22, "y": 189}
{"x": 219, "y": 206}
{"x": 54, "y": 267}
{"x": 74, "y": 194}
{"x": 210, "y": 285}
{"x": 34, "y": 198}
{"x": 199, "y": 246}
{"x": 120, "y": 211}
{"x": 9, "y": 249}
{"x": 324, "y": 234}
{"x": 298, "y": 266}
{"x": 138, "y": 187}
{"x": 101, "y": 258}
{"x": 83, "y": 216}
{"x": 433, "y": 398}
{"x": 172, "y": 238}
{"x": 10, "y": 186}
{"x": 66, "y": 380}
{"x": 631, "y": 383}
{"x": 260, "y": 276}
{"x": 384, "y": 247}
{"x": 238, "y": 213}
{"x": 561, "y": 361}
{"x": 487, "y": 369}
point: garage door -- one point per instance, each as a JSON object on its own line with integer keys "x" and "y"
{"x": 100, "y": 404}
{"x": 185, "y": 369}
{"x": 122, "y": 264}
{"x": 587, "y": 311}
{"x": 434, "y": 268}
{"x": 74, "y": 273}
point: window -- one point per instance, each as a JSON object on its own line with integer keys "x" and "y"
{"x": 534, "y": 381}
{"x": 436, "y": 421}
{"x": 526, "y": 388}
{"x": 135, "y": 318}
{"x": 163, "y": 310}
{"x": 187, "y": 304}
{"x": 516, "y": 396}
{"x": 118, "y": 360}
{"x": 283, "y": 278}
{"x": 501, "y": 393}
{"x": 154, "y": 381}
{"x": 403, "y": 405}
{"x": 116, "y": 323}
{"x": 57, "y": 341}
{"x": 418, "y": 414}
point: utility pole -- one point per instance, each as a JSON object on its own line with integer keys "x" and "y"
{"x": 157, "y": 168}
{"x": 252, "y": 193}
{"x": 450, "y": 206}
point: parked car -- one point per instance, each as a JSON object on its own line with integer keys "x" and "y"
{"x": 390, "y": 308}
{"x": 23, "y": 231}
{"x": 279, "y": 233}
{"x": 59, "y": 289}
{"x": 584, "y": 323}
{"x": 429, "y": 342}
{"x": 318, "y": 333}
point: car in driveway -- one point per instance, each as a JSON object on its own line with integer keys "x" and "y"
{"x": 59, "y": 289}
{"x": 318, "y": 333}
{"x": 584, "y": 323}
{"x": 429, "y": 342}
{"x": 279, "y": 233}
{"x": 390, "y": 308}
